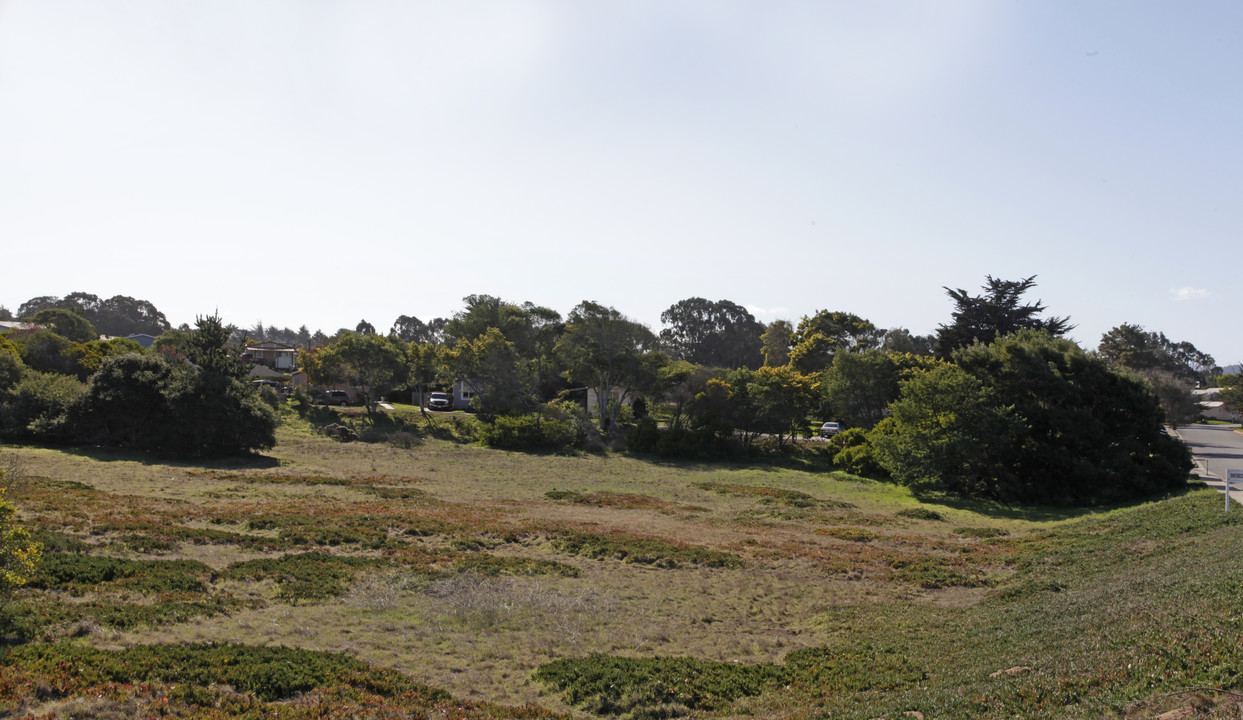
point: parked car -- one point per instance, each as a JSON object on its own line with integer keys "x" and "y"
{"x": 336, "y": 397}
{"x": 830, "y": 429}
{"x": 439, "y": 401}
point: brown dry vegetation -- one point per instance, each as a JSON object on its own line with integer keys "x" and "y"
{"x": 476, "y": 566}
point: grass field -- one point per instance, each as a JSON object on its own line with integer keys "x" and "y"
{"x": 432, "y": 578}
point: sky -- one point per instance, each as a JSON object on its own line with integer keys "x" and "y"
{"x": 321, "y": 162}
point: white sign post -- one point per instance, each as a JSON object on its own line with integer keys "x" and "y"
{"x": 1231, "y": 477}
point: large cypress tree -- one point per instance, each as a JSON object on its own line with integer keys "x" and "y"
{"x": 998, "y": 312}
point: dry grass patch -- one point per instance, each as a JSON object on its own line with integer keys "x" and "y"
{"x": 466, "y": 569}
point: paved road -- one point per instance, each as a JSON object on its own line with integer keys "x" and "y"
{"x": 1216, "y": 448}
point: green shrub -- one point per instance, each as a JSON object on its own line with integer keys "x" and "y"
{"x": 310, "y": 529}
{"x": 822, "y": 671}
{"x": 664, "y": 687}
{"x": 528, "y": 432}
{"x": 697, "y": 440}
{"x": 767, "y": 494}
{"x": 467, "y": 544}
{"x": 846, "y": 438}
{"x": 655, "y": 687}
{"x": 54, "y": 542}
{"x": 41, "y": 616}
{"x": 39, "y": 406}
{"x": 920, "y": 513}
{"x": 493, "y": 565}
{"x": 11, "y": 366}
{"x": 851, "y": 534}
{"x": 643, "y": 551}
{"x": 79, "y": 573}
{"x": 859, "y": 460}
{"x": 306, "y": 576}
{"x": 931, "y": 573}
{"x": 269, "y": 673}
{"x": 562, "y": 495}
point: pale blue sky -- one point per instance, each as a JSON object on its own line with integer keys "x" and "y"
{"x": 321, "y": 161}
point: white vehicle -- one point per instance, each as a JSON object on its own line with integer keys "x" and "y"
{"x": 439, "y": 401}
{"x": 830, "y": 429}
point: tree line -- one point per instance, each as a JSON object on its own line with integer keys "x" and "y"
{"x": 715, "y": 382}
{"x": 190, "y": 400}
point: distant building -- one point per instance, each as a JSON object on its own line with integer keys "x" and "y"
{"x": 265, "y": 373}
{"x": 463, "y": 393}
{"x": 1212, "y": 407}
{"x": 272, "y": 354}
{"x": 142, "y": 339}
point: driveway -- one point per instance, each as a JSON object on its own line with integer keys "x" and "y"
{"x": 1216, "y": 448}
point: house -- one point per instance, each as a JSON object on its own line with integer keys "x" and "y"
{"x": 263, "y": 372}
{"x": 616, "y": 394}
{"x": 1212, "y": 407}
{"x": 588, "y": 397}
{"x": 463, "y": 393}
{"x": 272, "y": 354}
{"x": 142, "y": 339}
{"x": 17, "y": 329}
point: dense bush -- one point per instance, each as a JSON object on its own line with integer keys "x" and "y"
{"x": 223, "y": 417}
{"x": 46, "y": 351}
{"x": 11, "y": 366}
{"x": 38, "y": 406}
{"x": 681, "y": 440}
{"x": 527, "y": 432}
{"x": 1031, "y": 419}
{"x": 150, "y": 403}
{"x": 852, "y": 451}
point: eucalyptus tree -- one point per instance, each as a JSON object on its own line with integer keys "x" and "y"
{"x": 409, "y": 328}
{"x": 715, "y": 334}
{"x": 1133, "y": 347}
{"x": 118, "y": 315}
{"x": 610, "y": 353}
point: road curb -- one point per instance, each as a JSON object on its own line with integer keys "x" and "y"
{"x": 1212, "y": 480}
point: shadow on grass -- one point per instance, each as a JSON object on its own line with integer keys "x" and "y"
{"x": 105, "y": 454}
{"x": 777, "y": 461}
{"x": 1044, "y": 513}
